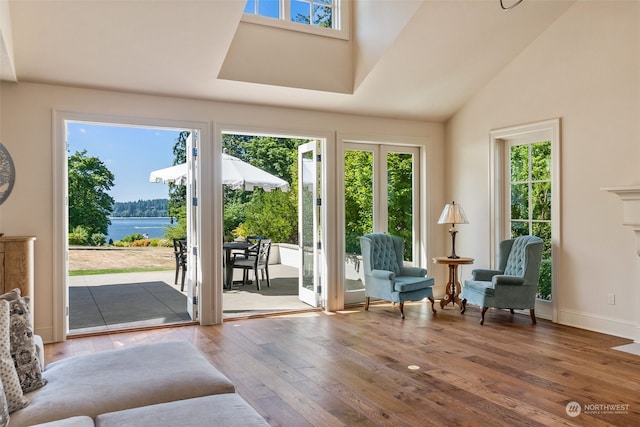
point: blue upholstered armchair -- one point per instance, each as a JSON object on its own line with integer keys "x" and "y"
{"x": 386, "y": 277}
{"x": 514, "y": 284}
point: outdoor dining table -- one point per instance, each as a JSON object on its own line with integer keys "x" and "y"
{"x": 229, "y": 247}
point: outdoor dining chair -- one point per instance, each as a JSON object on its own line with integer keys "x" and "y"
{"x": 251, "y": 250}
{"x": 180, "y": 253}
{"x": 256, "y": 261}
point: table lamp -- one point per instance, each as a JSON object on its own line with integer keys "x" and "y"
{"x": 453, "y": 214}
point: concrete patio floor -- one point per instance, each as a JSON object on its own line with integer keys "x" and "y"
{"x": 151, "y": 298}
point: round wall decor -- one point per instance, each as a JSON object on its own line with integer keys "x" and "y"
{"x": 7, "y": 173}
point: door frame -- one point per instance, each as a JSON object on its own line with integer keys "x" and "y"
{"x": 423, "y": 246}
{"x": 60, "y": 300}
{"x": 530, "y": 132}
{"x": 329, "y": 262}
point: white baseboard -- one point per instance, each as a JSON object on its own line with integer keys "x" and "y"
{"x": 598, "y": 323}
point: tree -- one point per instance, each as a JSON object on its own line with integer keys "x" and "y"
{"x": 272, "y": 214}
{"x": 358, "y": 197}
{"x": 400, "y": 199}
{"x": 89, "y": 203}
{"x": 178, "y": 192}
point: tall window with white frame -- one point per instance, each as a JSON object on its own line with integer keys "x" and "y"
{"x": 319, "y": 13}
{"x": 530, "y": 209}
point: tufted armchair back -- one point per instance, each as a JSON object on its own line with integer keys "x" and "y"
{"x": 520, "y": 257}
{"x": 384, "y": 252}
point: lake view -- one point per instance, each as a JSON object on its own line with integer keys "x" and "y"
{"x": 121, "y": 227}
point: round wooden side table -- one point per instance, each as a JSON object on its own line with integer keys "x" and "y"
{"x": 453, "y": 285}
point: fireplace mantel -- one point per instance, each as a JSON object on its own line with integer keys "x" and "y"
{"x": 630, "y": 196}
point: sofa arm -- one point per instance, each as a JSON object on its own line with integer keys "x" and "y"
{"x": 484, "y": 275}
{"x": 502, "y": 280}
{"x": 37, "y": 339}
{"x": 413, "y": 271}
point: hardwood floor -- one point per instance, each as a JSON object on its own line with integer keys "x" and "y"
{"x": 357, "y": 368}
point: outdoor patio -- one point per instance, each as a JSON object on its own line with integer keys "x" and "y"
{"x": 128, "y": 300}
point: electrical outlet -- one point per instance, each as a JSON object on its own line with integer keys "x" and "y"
{"x": 611, "y": 298}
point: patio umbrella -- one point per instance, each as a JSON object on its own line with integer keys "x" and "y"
{"x": 237, "y": 174}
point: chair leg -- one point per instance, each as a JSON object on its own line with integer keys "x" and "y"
{"x": 464, "y": 306}
{"x": 366, "y": 303}
{"x": 175, "y": 280}
{"x": 432, "y": 303}
{"x": 266, "y": 270}
{"x": 402, "y": 309}
{"x": 255, "y": 274}
{"x": 484, "y": 310}
{"x": 511, "y": 310}
{"x": 532, "y": 312}
{"x": 245, "y": 276}
{"x": 184, "y": 272}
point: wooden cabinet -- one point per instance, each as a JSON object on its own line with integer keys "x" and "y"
{"x": 16, "y": 264}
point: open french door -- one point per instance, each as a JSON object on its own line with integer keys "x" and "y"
{"x": 193, "y": 216}
{"x": 309, "y": 283}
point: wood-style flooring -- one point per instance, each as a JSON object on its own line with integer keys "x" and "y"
{"x": 357, "y": 368}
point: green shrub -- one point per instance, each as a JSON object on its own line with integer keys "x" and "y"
{"x": 133, "y": 237}
{"x": 79, "y": 236}
{"x": 163, "y": 243}
{"x": 177, "y": 231}
{"x": 98, "y": 239}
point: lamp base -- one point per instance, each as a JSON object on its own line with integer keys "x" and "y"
{"x": 453, "y": 233}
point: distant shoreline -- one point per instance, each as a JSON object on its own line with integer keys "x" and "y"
{"x": 141, "y": 217}
{"x": 149, "y": 227}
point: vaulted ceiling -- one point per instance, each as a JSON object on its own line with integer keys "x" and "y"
{"x": 404, "y": 58}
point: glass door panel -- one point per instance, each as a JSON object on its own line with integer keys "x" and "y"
{"x": 358, "y": 212}
{"x": 380, "y": 190}
{"x": 309, "y": 213}
{"x": 400, "y": 197}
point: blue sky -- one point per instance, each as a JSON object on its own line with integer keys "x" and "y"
{"x": 129, "y": 153}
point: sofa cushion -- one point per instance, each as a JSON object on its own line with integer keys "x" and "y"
{"x": 80, "y": 421}
{"x": 120, "y": 379}
{"x": 228, "y": 410}
{"x": 4, "y": 408}
{"x": 23, "y": 348}
{"x": 410, "y": 283}
{"x": 484, "y": 288}
{"x": 8, "y": 374}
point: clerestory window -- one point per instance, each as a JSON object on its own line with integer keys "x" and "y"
{"x": 318, "y": 15}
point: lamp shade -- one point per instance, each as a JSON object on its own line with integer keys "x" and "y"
{"x": 453, "y": 214}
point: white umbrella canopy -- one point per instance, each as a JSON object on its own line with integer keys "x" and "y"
{"x": 237, "y": 174}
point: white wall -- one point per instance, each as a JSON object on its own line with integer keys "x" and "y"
{"x": 26, "y": 130}
{"x": 584, "y": 69}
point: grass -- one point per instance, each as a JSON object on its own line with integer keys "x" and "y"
{"x": 115, "y": 271}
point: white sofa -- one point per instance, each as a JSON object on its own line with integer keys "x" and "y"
{"x": 166, "y": 384}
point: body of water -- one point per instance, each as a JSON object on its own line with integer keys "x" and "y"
{"x": 152, "y": 227}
